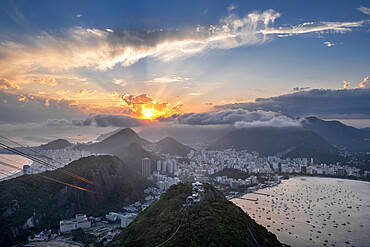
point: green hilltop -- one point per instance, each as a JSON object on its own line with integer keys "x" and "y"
{"x": 214, "y": 221}
{"x": 43, "y": 202}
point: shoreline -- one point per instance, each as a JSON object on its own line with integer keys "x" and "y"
{"x": 333, "y": 177}
{"x": 241, "y": 194}
{"x": 16, "y": 173}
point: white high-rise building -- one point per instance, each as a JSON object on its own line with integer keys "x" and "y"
{"x": 170, "y": 166}
{"x": 174, "y": 165}
{"x": 164, "y": 166}
{"x": 145, "y": 167}
{"x": 125, "y": 221}
{"x": 159, "y": 163}
{"x": 167, "y": 185}
{"x": 80, "y": 221}
{"x": 161, "y": 185}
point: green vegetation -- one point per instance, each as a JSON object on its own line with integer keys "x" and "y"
{"x": 212, "y": 222}
{"x": 80, "y": 236}
{"x": 45, "y": 202}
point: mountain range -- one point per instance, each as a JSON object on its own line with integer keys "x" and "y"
{"x": 315, "y": 138}
{"x": 128, "y": 146}
{"x": 289, "y": 142}
{"x": 116, "y": 142}
{"x": 322, "y": 140}
{"x": 339, "y": 134}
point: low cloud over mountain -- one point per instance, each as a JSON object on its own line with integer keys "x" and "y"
{"x": 238, "y": 117}
{"x": 325, "y": 103}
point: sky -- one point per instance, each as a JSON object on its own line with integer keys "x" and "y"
{"x": 112, "y": 63}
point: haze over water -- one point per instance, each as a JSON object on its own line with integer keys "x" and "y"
{"x": 14, "y": 160}
{"x": 309, "y": 211}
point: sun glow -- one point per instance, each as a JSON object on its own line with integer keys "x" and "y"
{"x": 145, "y": 107}
{"x": 148, "y": 113}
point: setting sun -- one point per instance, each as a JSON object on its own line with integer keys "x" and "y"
{"x": 148, "y": 113}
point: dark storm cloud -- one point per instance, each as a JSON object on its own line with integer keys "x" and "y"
{"x": 30, "y": 108}
{"x": 353, "y": 103}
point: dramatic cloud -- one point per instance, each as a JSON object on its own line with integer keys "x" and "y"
{"x": 346, "y": 85}
{"x": 365, "y": 83}
{"x": 239, "y": 118}
{"x": 83, "y": 92}
{"x": 29, "y": 108}
{"x": 5, "y": 84}
{"x": 278, "y": 121}
{"x": 61, "y": 92}
{"x": 364, "y": 10}
{"x": 143, "y": 106}
{"x": 313, "y": 27}
{"x": 102, "y": 49}
{"x": 50, "y": 81}
{"x": 325, "y": 103}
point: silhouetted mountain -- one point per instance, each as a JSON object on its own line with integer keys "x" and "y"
{"x": 186, "y": 133}
{"x": 214, "y": 221}
{"x": 42, "y": 202}
{"x": 126, "y": 145}
{"x": 133, "y": 156}
{"x": 119, "y": 140}
{"x": 284, "y": 141}
{"x": 339, "y": 134}
{"x": 106, "y": 135}
{"x": 57, "y": 144}
{"x": 171, "y": 146}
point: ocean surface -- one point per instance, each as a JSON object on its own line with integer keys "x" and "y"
{"x": 14, "y": 160}
{"x": 312, "y": 211}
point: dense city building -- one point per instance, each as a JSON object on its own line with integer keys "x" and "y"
{"x": 145, "y": 167}
{"x": 81, "y": 221}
